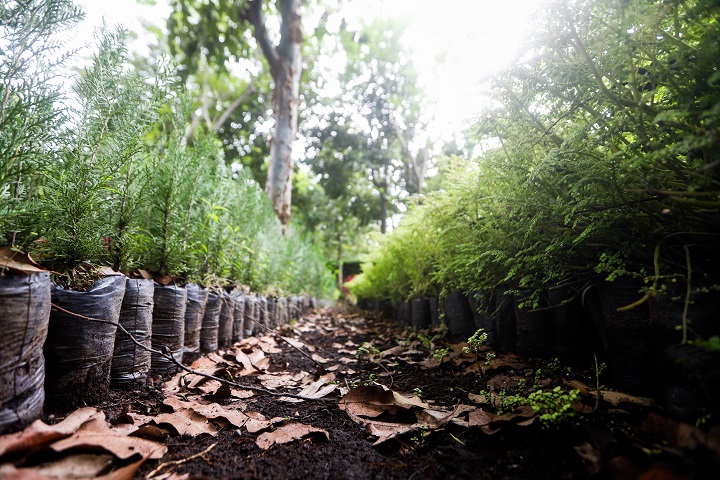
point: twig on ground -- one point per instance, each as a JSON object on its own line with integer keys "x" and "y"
{"x": 175, "y": 463}
{"x": 277, "y": 335}
{"x": 188, "y": 369}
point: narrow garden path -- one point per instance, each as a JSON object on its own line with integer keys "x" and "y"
{"x": 338, "y": 395}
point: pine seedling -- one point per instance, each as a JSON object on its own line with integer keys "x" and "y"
{"x": 102, "y": 138}
{"x": 30, "y": 118}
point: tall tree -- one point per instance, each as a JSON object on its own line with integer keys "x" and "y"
{"x": 216, "y": 32}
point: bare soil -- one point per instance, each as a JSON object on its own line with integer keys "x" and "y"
{"x": 622, "y": 440}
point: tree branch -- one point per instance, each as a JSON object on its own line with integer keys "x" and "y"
{"x": 220, "y": 121}
{"x": 255, "y": 15}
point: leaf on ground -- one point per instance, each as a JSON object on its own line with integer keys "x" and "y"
{"x": 490, "y": 423}
{"x": 80, "y": 466}
{"x": 479, "y": 399}
{"x": 273, "y": 381}
{"x": 386, "y": 430}
{"x": 247, "y": 365}
{"x": 96, "y": 433}
{"x": 364, "y": 404}
{"x": 268, "y": 344}
{"x": 39, "y": 433}
{"x": 319, "y": 358}
{"x": 240, "y": 393}
{"x": 392, "y": 351}
{"x": 257, "y": 422}
{"x": 504, "y": 362}
{"x": 211, "y": 411}
{"x": 215, "y": 388}
{"x": 618, "y": 399}
{"x": 259, "y": 360}
{"x": 288, "y": 433}
{"x": 187, "y": 422}
{"x": 315, "y": 390}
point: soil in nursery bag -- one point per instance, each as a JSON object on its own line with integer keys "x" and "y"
{"x": 628, "y": 337}
{"x": 690, "y": 373}
{"x": 239, "y": 317}
{"x": 572, "y": 327}
{"x": 505, "y": 324}
{"x": 481, "y": 306}
{"x": 420, "y": 313}
{"x": 197, "y": 297}
{"x": 78, "y": 349}
{"x": 283, "y": 317}
{"x": 263, "y": 315}
{"x": 458, "y": 317}
{"x": 272, "y": 312}
{"x": 24, "y": 314}
{"x": 534, "y": 326}
{"x": 404, "y": 314}
{"x": 168, "y": 327}
{"x": 227, "y": 320}
{"x": 210, "y": 324}
{"x": 434, "y": 306}
{"x": 131, "y": 362}
{"x": 250, "y": 317}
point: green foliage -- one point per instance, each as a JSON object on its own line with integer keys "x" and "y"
{"x": 83, "y": 205}
{"x": 115, "y": 180}
{"x": 475, "y": 342}
{"x": 598, "y": 147}
{"x": 555, "y": 406}
{"x": 30, "y": 53}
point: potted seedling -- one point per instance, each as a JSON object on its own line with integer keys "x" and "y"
{"x": 80, "y": 198}
{"x": 29, "y": 121}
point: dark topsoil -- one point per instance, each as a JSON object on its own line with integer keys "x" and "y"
{"x": 614, "y": 442}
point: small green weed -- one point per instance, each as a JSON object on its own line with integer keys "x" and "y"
{"x": 440, "y": 353}
{"x": 476, "y": 342}
{"x": 555, "y": 406}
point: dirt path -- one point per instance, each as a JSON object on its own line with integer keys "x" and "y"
{"x": 379, "y": 403}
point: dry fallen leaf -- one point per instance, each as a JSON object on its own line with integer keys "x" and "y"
{"x": 39, "y": 433}
{"x": 317, "y": 389}
{"x": 287, "y": 433}
{"x": 80, "y": 466}
{"x": 18, "y": 262}
{"x": 97, "y": 433}
{"x": 187, "y": 422}
{"x": 490, "y": 423}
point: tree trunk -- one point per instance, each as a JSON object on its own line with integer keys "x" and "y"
{"x": 285, "y": 62}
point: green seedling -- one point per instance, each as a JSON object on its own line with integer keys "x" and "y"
{"x": 555, "y": 406}
{"x": 476, "y": 342}
{"x": 440, "y": 353}
{"x": 418, "y": 392}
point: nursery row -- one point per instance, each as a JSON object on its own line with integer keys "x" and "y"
{"x": 107, "y": 175}
{"x": 72, "y": 346}
{"x": 639, "y": 351}
{"x": 600, "y": 171}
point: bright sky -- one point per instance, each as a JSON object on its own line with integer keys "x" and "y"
{"x": 475, "y": 38}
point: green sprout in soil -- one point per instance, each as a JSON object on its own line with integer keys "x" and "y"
{"x": 476, "y": 342}
{"x": 367, "y": 349}
{"x": 555, "y": 406}
{"x": 440, "y": 353}
{"x": 426, "y": 341}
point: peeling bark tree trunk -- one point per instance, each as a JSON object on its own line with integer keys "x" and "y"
{"x": 285, "y": 62}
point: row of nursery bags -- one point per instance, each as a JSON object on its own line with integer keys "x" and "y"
{"x": 643, "y": 347}
{"x": 66, "y": 344}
